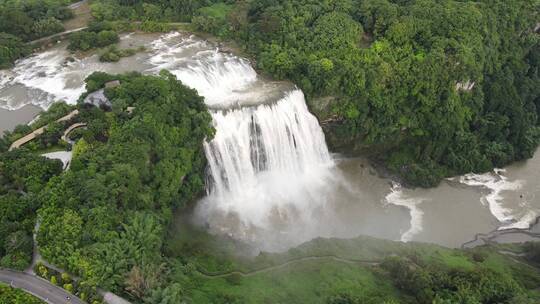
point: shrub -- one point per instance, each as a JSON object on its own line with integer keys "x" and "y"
{"x": 86, "y": 40}
{"x": 46, "y": 27}
{"x": 105, "y": 38}
{"x": 113, "y": 54}
{"x": 11, "y": 49}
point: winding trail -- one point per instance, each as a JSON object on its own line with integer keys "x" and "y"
{"x": 368, "y": 263}
{"x": 40, "y": 40}
{"x": 31, "y": 136}
{"x": 490, "y": 237}
{"x": 62, "y": 35}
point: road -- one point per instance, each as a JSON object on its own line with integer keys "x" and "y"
{"x": 40, "y": 288}
{"x": 58, "y": 35}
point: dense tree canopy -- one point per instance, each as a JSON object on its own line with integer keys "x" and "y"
{"x": 148, "y": 10}
{"x": 431, "y": 88}
{"x": 104, "y": 219}
{"x": 24, "y": 20}
{"x": 11, "y": 49}
{"x": 22, "y": 176}
{"x": 31, "y": 19}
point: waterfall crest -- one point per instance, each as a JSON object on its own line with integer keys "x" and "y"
{"x": 280, "y": 138}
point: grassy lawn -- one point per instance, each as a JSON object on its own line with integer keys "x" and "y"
{"x": 311, "y": 281}
{"x": 310, "y": 272}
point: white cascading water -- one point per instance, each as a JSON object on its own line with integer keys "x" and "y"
{"x": 279, "y": 138}
{"x": 271, "y": 179}
{"x": 217, "y": 76}
{"x": 268, "y": 168}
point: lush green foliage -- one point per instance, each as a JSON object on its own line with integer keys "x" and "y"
{"x": 147, "y": 10}
{"x": 104, "y": 219}
{"x": 85, "y": 292}
{"x": 10, "y": 295}
{"x": 113, "y": 54}
{"x": 434, "y": 283}
{"x": 24, "y": 20}
{"x": 213, "y": 19}
{"x": 86, "y": 40}
{"x": 431, "y": 88}
{"x": 31, "y": 19}
{"x": 22, "y": 176}
{"x": 345, "y": 272}
{"x": 11, "y": 49}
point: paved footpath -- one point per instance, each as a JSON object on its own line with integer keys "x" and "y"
{"x": 38, "y": 287}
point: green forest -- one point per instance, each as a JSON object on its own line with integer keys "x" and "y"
{"x": 25, "y": 20}
{"x": 428, "y": 88}
{"x": 9, "y": 295}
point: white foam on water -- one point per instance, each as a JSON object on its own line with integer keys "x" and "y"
{"x": 496, "y": 183}
{"x": 221, "y": 78}
{"x": 398, "y": 198}
{"x": 47, "y": 73}
{"x": 49, "y": 76}
{"x": 5, "y": 77}
{"x": 267, "y": 163}
{"x": 523, "y": 222}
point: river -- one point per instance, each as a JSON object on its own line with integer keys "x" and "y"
{"x": 271, "y": 180}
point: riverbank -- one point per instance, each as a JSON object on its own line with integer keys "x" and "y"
{"x": 506, "y": 236}
{"x": 325, "y": 266}
{"x": 9, "y": 119}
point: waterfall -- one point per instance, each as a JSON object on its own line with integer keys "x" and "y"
{"x": 268, "y": 165}
{"x": 269, "y": 168}
{"x": 220, "y": 77}
{"x": 282, "y": 138}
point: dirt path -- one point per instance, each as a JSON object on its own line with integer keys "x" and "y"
{"x": 283, "y": 265}
{"x": 83, "y": 15}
